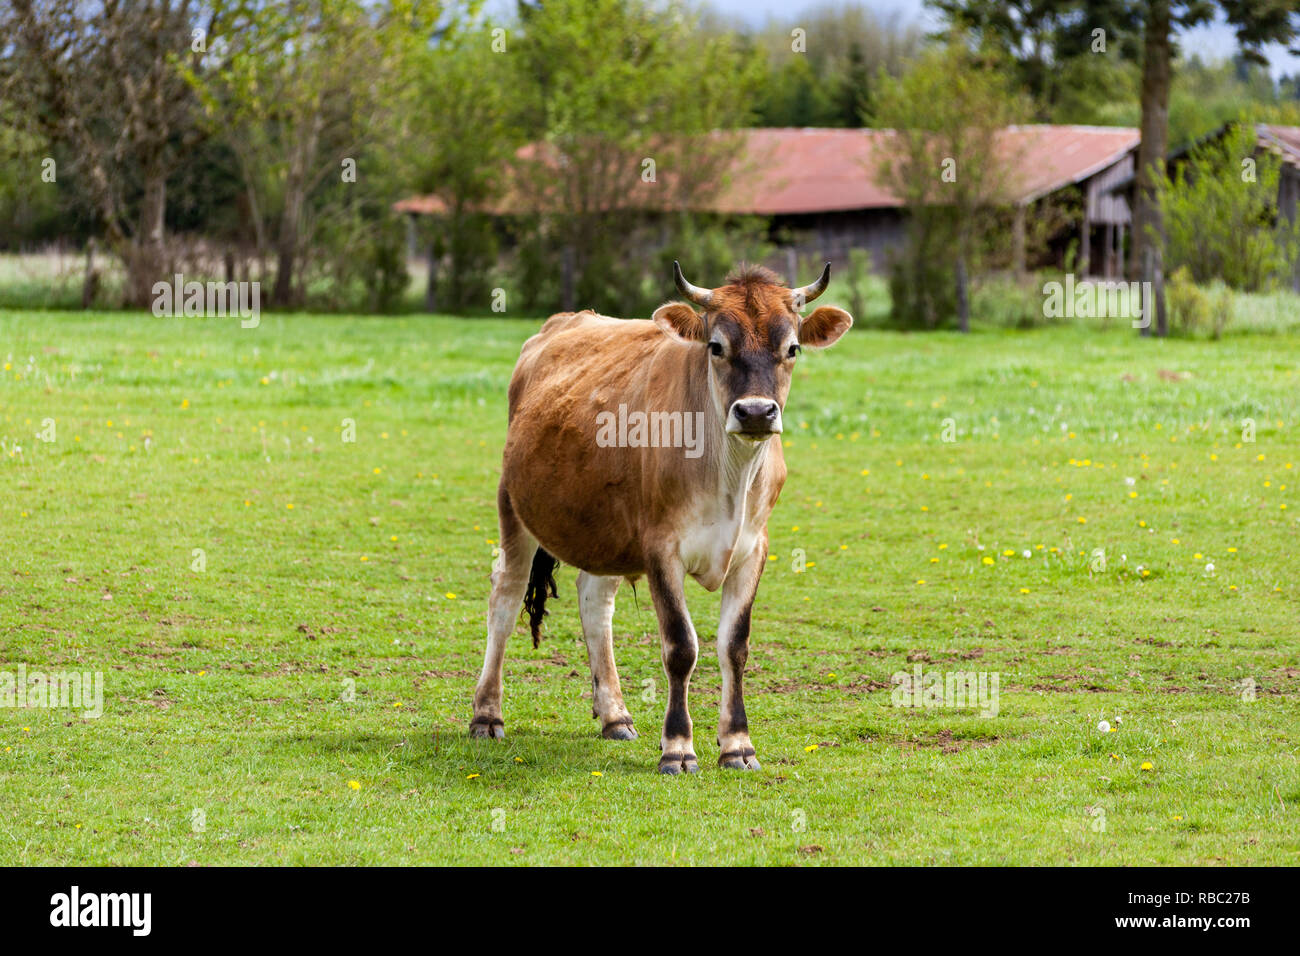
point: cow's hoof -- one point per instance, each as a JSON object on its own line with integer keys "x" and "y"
{"x": 619, "y": 730}
{"x": 487, "y": 727}
{"x": 739, "y": 760}
{"x": 678, "y": 763}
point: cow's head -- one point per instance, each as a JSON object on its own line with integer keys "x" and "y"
{"x": 751, "y": 333}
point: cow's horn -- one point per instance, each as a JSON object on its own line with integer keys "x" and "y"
{"x": 810, "y": 292}
{"x": 693, "y": 292}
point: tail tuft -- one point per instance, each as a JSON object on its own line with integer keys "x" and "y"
{"x": 540, "y": 579}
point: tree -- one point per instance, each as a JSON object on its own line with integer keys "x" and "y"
{"x": 620, "y": 101}
{"x": 462, "y": 138}
{"x": 821, "y": 63}
{"x": 1221, "y": 217}
{"x": 953, "y": 172}
{"x": 853, "y": 98}
{"x": 100, "y": 81}
{"x": 301, "y": 89}
{"x": 1257, "y": 22}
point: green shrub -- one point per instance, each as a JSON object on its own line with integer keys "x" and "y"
{"x": 1221, "y": 216}
{"x": 1187, "y": 304}
{"x": 1003, "y": 302}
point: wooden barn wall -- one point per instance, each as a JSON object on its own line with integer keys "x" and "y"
{"x": 832, "y": 235}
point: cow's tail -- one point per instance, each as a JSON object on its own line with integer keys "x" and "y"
{"x": 540, "y": 580}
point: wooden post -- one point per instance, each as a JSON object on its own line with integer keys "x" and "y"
{"x": 1085, "y": 236}
{"x": 1018, "y": 242}
{"x": 567, "y": 292}
{"x": 90, "y": 281}
{"x": 431, "y": 280}
{"x": 963, "y": 296}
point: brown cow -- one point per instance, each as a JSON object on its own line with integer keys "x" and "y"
{"x": 626, "y": 501}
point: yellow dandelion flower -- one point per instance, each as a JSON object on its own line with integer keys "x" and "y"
{"x": 354, "y": 784}
{"x": 1146, "y": 765}
{"x": 810, "y": 748}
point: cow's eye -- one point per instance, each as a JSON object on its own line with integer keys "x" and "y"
{"x": 715, "y": 348}
{"x": 794, "y": 350}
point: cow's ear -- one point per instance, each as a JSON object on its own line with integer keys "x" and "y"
{"x": 824, "y": 327}
{"x": 680, "y": 321}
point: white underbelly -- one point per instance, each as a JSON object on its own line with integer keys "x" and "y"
{"x": 711, "y": 548}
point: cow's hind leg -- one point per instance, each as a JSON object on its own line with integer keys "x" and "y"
{"x": 509, "y": 582}
{"x": 596, "y": 608}
{"x": 680, "y": 647}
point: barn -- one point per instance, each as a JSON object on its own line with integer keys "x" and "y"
{"x": 821, "y": 190}
{"x": 823, "y": 186}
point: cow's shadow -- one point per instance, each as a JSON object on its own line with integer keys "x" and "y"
{"x": 527, "y": 750}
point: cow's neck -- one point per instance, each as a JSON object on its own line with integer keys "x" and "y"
{"x": 738, "y": 463}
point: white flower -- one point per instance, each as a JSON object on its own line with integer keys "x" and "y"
{"x": 1209, "y": 569}
{"x": 1104, "y": 727}
{"x": 1027, "y": 553}
{"x": 1130, "y": 482}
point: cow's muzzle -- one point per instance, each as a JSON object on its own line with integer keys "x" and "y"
{"x": 754, "y": 418}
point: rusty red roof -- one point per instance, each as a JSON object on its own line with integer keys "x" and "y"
{"x": 1286, "y": 139}
{"x": 787, "y": 171}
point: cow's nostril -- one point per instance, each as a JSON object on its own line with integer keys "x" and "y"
{"x": 760, "y": 414}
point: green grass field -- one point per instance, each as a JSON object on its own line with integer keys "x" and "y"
{"x": 330, "y": 567}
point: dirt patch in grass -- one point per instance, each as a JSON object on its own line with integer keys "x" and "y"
{"x": 944, "y": 741}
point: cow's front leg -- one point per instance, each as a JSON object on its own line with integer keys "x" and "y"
{"x": 736, "y": 752}
{"x": 679, "y": 646}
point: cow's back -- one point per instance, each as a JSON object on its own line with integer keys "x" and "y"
{"x": 581, "y": 500}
